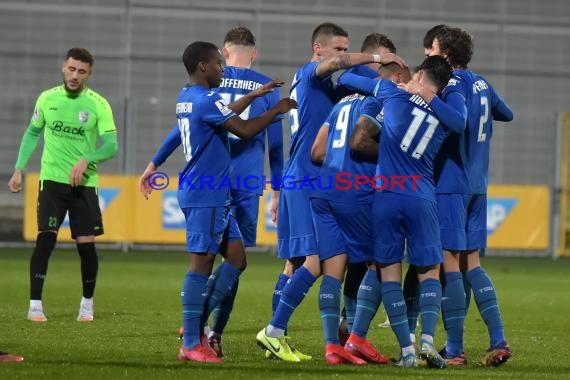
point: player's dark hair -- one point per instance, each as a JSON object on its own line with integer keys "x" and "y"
{"x": 457, "y": 45}
{"x": 80, "y": 54}
{"x": 432, "y": 34}
{"x": 328, "y": 29}
{"x": 240, "y": 35}
{"x": 376, "y": 40}
{"x": 197, "y": 52}
{"x": 437, "y": 69}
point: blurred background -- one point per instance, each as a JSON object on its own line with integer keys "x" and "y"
{"x": 520, "y": 46}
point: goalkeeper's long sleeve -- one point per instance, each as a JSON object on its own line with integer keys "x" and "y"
{"x": 106, "y": 151}
{"x": 28, "y": 146}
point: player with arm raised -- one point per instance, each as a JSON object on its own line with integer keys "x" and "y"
{"x": 247, "y": 155}
{"x": 204, "y": 120}
{"x": 314, "y": 92}
{"x": 373, "y": 43}
{"x": 364, "y": 142}
{"x": 405, "y": 211}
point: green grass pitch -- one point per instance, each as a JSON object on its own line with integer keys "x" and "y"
{"x": 138, "y": 313}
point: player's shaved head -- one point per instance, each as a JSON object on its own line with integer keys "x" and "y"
{"x": 197, "y": 52}
{"x": 327, "y": 30}
{"x": 394, "y": 72}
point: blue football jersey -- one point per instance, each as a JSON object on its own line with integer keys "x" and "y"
{"x": 204, "y": 181}
{"x": 315, "y": 98}
{"x": 411, "y": 137}
{"x": 464, "y": 159}
{"x": 363, "y": 71}
{"x": 248, "y": 155}
{"x": 340, "y": 170}
{"x": 360, "y": 70}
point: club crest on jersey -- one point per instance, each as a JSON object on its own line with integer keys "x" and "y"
{"x": 223, "y": 107}
{"x": 452, "y": 82}
{"x": 380, "y": 116}
{"x": 83, "y": 117}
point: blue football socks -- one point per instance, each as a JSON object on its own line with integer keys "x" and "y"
{"x": 395, "y": 306}
{"x": 193, "y": 301}
{"x": 486, "y": 300}
{"x": 368, "y": 300}
{"x": 293, "y": 293}
{"x": 329, "y": 307}
{"x": 430, "y": 304}
{"x": 453, "y": 311}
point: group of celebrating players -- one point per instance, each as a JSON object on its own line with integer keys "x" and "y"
{"x": 378, "y": 120}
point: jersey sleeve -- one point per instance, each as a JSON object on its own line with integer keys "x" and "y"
{"x": 169, "y": 145}
{"x": 215, "y": 110}
{"x": 32, "y": 135}
{"x": 501, "y": 110}
{"x": 28, "y": 146}
{"x": 452, "y": 113}
{"x": 324, "y": 84}
{"x": 372, "y": 110}
{"x": 275, "y": 141}
{"x": 272, "y": 99}
{"x": 38, "y": 119}
{"x": 384, "y": 89}
{"x": 455, "y": 85}
{"x": 310, "y": 70}
{"x": 359, "y": 83}
{"x": 105, "y": 120}
{"x": 329, "y": 120}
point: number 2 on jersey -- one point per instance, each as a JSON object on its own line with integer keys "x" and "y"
{"x": 419, "y": 117}
{"x": 482, "y": 136}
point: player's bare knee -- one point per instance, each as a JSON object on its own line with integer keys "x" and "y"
{"x": 472, "y": 260}
{"x": 292, "y": 265}
{"x": 428, "y": 272}
{"x": 240, "y": 264}
{"x": 451, "y": 260}
{"x": 313, "y": 265}
{"x": 85, "y": 239}
{"x": 201, "y": 263}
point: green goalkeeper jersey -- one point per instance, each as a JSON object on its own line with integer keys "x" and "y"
{"x": 71, "y": 125}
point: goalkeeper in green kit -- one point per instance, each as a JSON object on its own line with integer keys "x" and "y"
{"x": 71, "y": 117}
